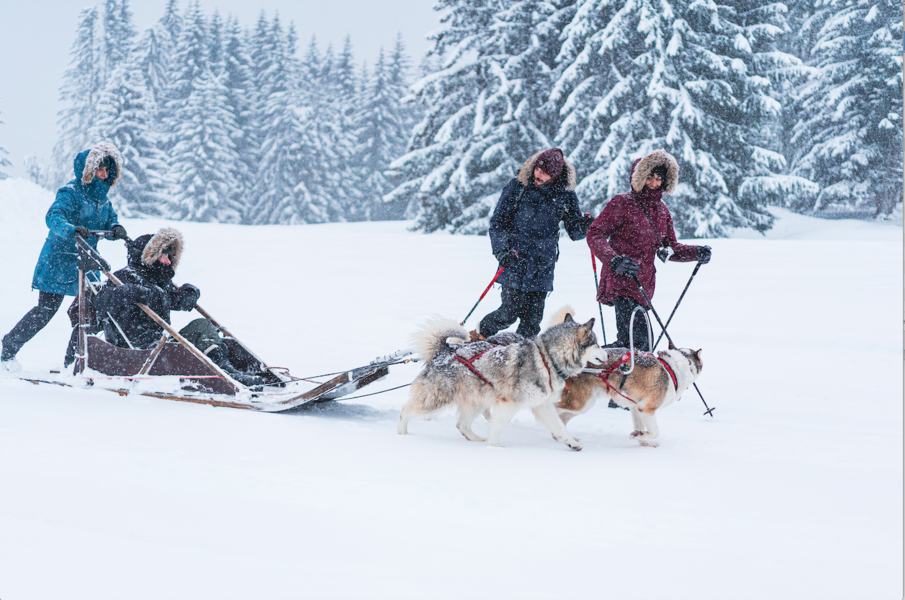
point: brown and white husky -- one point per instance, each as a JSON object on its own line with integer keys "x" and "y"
{"x": 655, "y": 382}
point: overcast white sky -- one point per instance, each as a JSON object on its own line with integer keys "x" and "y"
{"x": 36, "y": 35}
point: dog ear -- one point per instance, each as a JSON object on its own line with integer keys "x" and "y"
{"x": 567, "y": 318}
{"x": 589, "y": 326}
{"x": 697, "y": 354}
{"x": 672, "y": 346}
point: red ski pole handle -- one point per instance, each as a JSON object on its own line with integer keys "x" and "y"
{"x": 495, "y": 277}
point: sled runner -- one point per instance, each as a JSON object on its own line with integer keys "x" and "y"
{"x": 200, "y": 380}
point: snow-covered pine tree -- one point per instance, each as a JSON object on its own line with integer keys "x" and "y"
{"x": 335, "y": 108}
{"x": 399, "y": 67}
{"x": 292, "y": 161}
{"x": 215, "y": 44}
{"x": 848, "y": 138}
{"x": 204, "y": 158}
{"x": 238, "y": 79}
{"x": 687, "y": 76}
{"x": 80, "y": 91}
{"x": 484, "y": 111}
{"x": 125, "y": 116}
{"x": 380, "y": 138}
{"x": 190, "y": 57}
{"x": 119, "y": 33}
{"x": 171, "y": 21}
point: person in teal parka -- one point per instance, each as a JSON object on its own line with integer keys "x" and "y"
{"x": 80, "y": 206}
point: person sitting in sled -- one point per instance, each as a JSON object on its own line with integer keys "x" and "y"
{"x": 631, "y": 231}
{"x": 148, "y": 279}
{"x": 79, "y": 207}
{"x": 524, "y": 237}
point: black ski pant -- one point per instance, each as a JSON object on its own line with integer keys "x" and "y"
{"x": 34, "y": 321}
{"x": 624, "y": 308}
{"x": 526, "y": 307}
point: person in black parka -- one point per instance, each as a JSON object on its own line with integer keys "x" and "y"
{"x": 148, "y": 279}
{"x": 524, "y": 236}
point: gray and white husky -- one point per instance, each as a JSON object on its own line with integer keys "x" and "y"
{"x": 503, "y": 374}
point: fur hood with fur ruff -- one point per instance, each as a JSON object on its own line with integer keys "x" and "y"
{"x": 98, "y": 152}
{"x": 154, "y": 247}
{"x": 568, "y": 176}
{"x": 643, "y": 168}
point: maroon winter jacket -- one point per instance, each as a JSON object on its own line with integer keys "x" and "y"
{"x": 622, "y": 229}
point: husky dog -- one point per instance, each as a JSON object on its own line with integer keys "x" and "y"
{"x": 649, "y": 387}
{"x": 519, "y": 372}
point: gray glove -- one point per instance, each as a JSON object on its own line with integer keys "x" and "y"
{"x": 704, "y": 254}
{"x": 83, "y": 231}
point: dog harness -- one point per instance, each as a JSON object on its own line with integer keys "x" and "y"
{"x": 669, "y": 370}
{"x": 604, "y": 375}
{"x": 468, "y": 362}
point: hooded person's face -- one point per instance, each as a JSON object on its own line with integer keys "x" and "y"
{"x": 540, "y": 177}
{"x": 653, "y": 181}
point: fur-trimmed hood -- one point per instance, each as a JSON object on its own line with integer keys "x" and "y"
{"x": 92, "y": 161}
{"x": 644, "y": 166}
{"x": 146, "y": 249}
{"x": 568, "y": 177}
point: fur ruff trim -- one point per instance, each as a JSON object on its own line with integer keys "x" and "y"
{"x": 560, "y": 316}
{"x": 653, "y": 160}
{"x": 98, "y": 152}
{"x": 164, "y": 238}
{"x": 526, "y": 174}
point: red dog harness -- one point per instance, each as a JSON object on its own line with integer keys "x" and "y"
{"x": 468, "y": 362}
{"x": 627, "y": 357}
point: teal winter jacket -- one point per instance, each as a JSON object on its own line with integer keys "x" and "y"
{"x": 83, "y": 201}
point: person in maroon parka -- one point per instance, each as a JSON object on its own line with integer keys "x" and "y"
{"x": 632, "y": 230}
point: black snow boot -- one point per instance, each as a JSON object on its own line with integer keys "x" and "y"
{"x": 220, "y": 358}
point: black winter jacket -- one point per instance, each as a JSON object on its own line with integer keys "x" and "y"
{"x": 526, "y": 219}
{"x": 151, "y": 285}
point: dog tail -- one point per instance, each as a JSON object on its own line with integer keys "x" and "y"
{"x": 560, "y": 316}
{"x": 432, "y": 336}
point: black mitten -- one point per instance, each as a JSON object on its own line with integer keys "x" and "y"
{"x": 507, "y": 258}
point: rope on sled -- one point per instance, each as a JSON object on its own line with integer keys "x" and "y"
{"x": 401, "y": 362}
{"x": 374, "y": 393}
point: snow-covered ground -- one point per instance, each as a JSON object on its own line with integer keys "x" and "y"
{"x": 793, "y": 490}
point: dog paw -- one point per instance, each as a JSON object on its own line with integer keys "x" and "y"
{"x": 574, "y": 445}
{"x": 636, "y": 434}
{"x": 649, "y": 443}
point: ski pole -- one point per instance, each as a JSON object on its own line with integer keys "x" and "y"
{"x": 492, "y": 281}
{"x": 678, "y": 302}
{"x": 596, "y": 288}
{"x": 709, "y": 410}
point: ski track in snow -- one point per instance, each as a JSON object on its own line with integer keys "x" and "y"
{"x": 793, "y": 490}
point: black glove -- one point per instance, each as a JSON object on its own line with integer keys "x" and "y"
{"x": 507, "y": 258}
{"x": 119, "y": 232}
{"x": 704, "y": 253}
{"x": 188, "y": 296}
{"x": 83, "y": 231}
{"x": 588, "y": 219}
{"x": 623, "y": 265}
